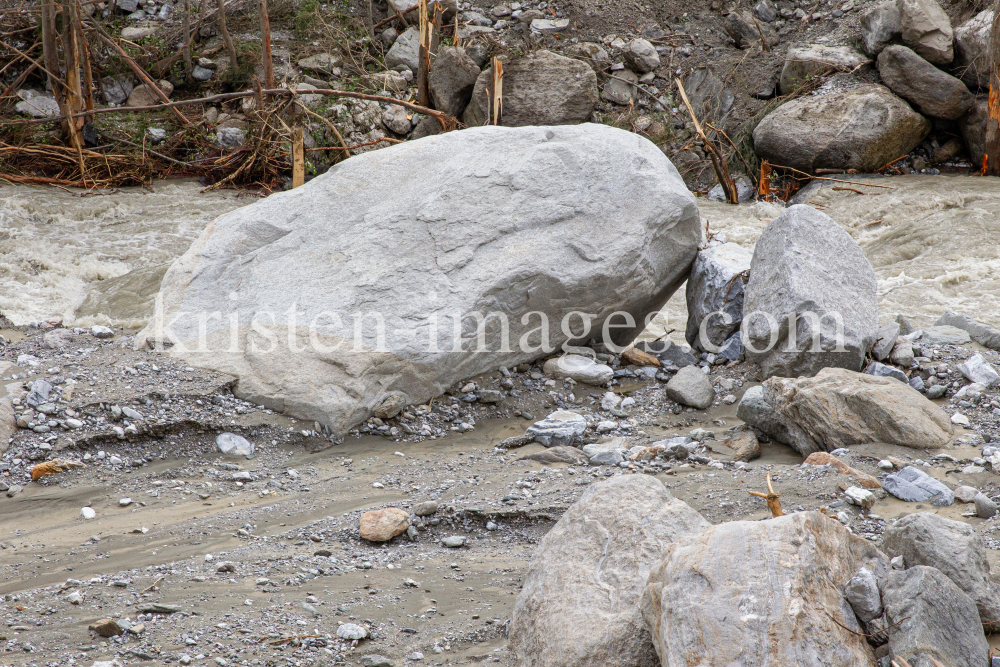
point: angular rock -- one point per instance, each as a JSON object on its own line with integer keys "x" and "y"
{"x": 37, "y": 105}
{"x": 927, "y": 30}
{"x": 670, "y": 354}
{"x": 144, "y": 96}
{"x": 392, "y": 81}
{"x": 754, "y": 411}
{"x": 691, "y": 387}
{"x": 579, "y": 368}
{"x": 560, "y": 428}
{"x": 860, "y": 497}
{"x": 704, "y": 605}
{"x": 405, "y": 51}
{"x": 621, "y": 87}
{"x": 744, "y": 445}
{"x": 542, "y": 88}
{"x": 714, "y": 294}
{"x": 805, "y": 62}
{"x": 879, "y": 25}
{"x": 426, "y": 508}
{"x": 579, "y": 604}
{"x": 640, "y": 55}
{"x": 983, "y": 334}
{"x": 116, "y": 89}
{"x": 321, "y": 63}
{"x": 569, "y": 455}
{"x": 863, "y": 595}
{"x": 838, "y": 408}
{"x": 766, "y": 11}
{"x": 885, "y": 339}
{"x": 106, "y": 627}
{"x": 881, "y": 370}
{"x": 862, "y": 128}
{"x": 932, "y": 92}
{"x": 825, "y": 458}
{"x": 451, "y": 80}
{"x": 709, "y": 97}
{"x": 39, "y": 392}
{"x": 806, "y": 269}
{"x": 743, "y": 30}
{"x": 383, "y": 525}
{"x": 230, "y": 137}
{"x": 977, "y": 369}
{"x": 929, "y": 617}
{"x": 465, "y": 210}
{"x": 234, "y": 445}
{"x": 972, "y": 47}
{"x": 592, "y": 53}
{"x": 395, "y": 119}
{"x": 940, "y": 334}
{"x": 914, "y": 485}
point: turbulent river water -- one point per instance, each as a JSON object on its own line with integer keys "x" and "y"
{"x": 934, "y": 242}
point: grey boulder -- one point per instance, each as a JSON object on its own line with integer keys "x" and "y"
{"x": 934, "y": 93}
{"x": 972, "y": 46}
{"x": 931, "y": 621}
{"x": 641, "y": 56}
{"x": 714, "y": 294}
{"x": 559, "y": 429}
{"x": 885, "y": 340}
{"x": 754, "y": 411}
{"x": 862, "y": 593}
{"x": 451, "y": 80}
{"x": 862, "y": 128}
{"x": 952, "y": 547}
{"x": 838, "y": 408}
{"x": 492, "y": 222}
{"x": 542, "y": 88}
{"x": 579, "y": 606}
{"x": 879, "y": 25}
{"x": 760, "y": 593}
{"x": 940, "y": 334}
{"x": 811, "y": 300}
{"x": 913, "y": 485}
{"x": 927, "y": 30}
{"x": 807, "y": 61}
{"x": 405, "y": 51}
{"x": 983, "y": 334}
{"x": 690, "y": 386}
{"x": 621, "y": 87}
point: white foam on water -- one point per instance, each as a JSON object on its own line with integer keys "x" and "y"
{"x": 56, "y": 245}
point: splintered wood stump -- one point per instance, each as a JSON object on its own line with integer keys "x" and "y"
{"x": 298, "y": 159}
{"x": 771, "y": 497}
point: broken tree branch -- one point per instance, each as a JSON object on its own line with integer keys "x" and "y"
{"x": 718, "y": 163}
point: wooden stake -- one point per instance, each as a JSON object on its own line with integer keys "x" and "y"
{"x": 497, "y": 102}
{"x": 230, "y": 48}
{"x": 88, "y": 92}
{"x": 423, "y": 58}
{"x": 298, "y": 159}
{"x": 771, "y": 497}
{"x": 764, "y": 184}
{"x": 718, "y": 160}
{"x": 265, "y": 34}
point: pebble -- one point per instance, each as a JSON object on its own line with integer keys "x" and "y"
{"x": 88, "y": 513}
{"x": 351, "y": 632}
{"x": 985, "y": 507}
{"x": 453, "y": 541}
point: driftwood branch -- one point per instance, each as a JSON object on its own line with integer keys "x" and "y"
{"x": 718, "y": 162}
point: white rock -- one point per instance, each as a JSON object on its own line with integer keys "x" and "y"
{"x": 960, "y": 419}
{"x": 579, "y": 368}
{"x": 351, "y": 631}
{"x": 861, "y": 497}
{"x": 88, "y": 513}
{"x": 235, "y": 445}
{"x": 125, "y": 502}
{"x": 977, "y": 369}
{"x": 472, "y": 259}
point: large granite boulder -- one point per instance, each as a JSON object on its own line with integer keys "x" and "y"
{"x": 932, "y": 92}
{"x": 580, "y": 603}
{"x": 803, "y": 62}
{"x": 811, "y": 300}
{"x": 838, "y": 408}
{"x": 542, "y": 88}
{"x": 760, "y": 593}
{"x": 927, "y": 30}
{"x": 972, "y": 49}
{"x": 952, "y": 547}
{"x": 714, "y": 293}
{"x": 931, "y": 622}
{"x": 862, "y": 128}
{"x": 328, "y": 300}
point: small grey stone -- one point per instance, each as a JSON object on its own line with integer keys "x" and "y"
{"x": 453, "y": 541}
{"x": 882, "y": 370}
{"x": 885, "y": 339}
{"x": 863, "y": 595}
{"x": 235, "y": 445}
{"x": 966, "y": 494}
{"x": 98, "y": 331}
{"x": 426, "y": 508}
{"x": 376, "y": 660}
{"x": 351, "y": 631}
{"x": 690, "y": 386}
{"x": 200, "y": 73}
{"x": 937, "y": 391}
